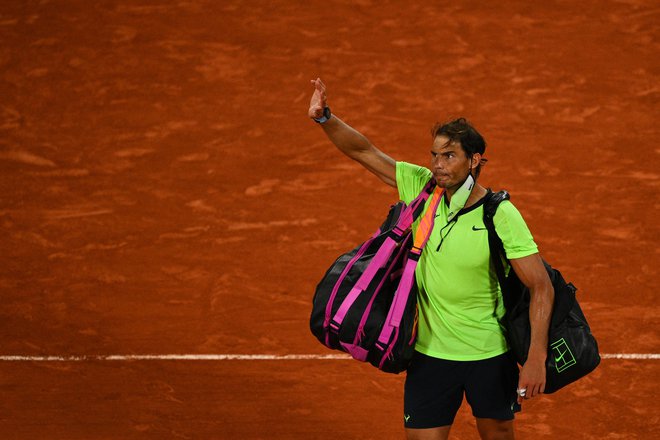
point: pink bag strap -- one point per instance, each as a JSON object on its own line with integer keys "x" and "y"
{"x": 379, "y": 260}
{"x": 404, "y": 289}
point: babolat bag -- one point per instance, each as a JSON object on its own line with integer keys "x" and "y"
{"x": 572, "y": 350}
{"x": 366, "y": 304}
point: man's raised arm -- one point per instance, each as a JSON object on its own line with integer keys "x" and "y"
{"x": 348, "y": 140}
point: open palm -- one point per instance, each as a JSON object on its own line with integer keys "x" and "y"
{"x": 318, "y": 101}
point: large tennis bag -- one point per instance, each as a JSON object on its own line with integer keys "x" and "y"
{"x": 572, "y": 349}
{"x": 366, "y": 304}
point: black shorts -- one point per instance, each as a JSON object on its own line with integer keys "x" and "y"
{"x": 434, "y": 389}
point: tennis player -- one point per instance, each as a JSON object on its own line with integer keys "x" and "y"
{"x": 461, "y": 349}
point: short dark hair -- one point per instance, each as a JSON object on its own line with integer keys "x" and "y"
{"x": 461, "y": 130}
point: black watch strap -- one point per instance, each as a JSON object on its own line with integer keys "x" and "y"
{"x": 325, "y": 117}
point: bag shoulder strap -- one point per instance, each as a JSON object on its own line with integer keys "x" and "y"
{"x": 423, "y": 196}
{"x": 493, "y": 200}
{"x": 426, "y": 223}
{"x": 414, "y": 209}
{"x": 491, "y": 204}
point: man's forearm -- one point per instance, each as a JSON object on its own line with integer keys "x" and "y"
{"x": 540, "y": 313}
{"x": 346, "y": 138}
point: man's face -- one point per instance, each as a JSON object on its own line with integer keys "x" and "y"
{"x": 449, "y": 163}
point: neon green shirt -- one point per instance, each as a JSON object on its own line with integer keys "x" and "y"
{"x": 460, "y": 301}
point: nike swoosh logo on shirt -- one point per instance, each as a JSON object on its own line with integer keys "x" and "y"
{"x": 474, "y": 228}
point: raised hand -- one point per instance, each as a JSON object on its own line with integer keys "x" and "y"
{"x": 319, "y": 99}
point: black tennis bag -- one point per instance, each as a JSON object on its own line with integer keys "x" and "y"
{"x": 573, "y": 350}
{"x": 366, "y": 303}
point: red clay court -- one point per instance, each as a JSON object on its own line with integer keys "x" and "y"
{"x": 164, "y": 193}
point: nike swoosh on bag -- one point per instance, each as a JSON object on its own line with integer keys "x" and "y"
{"x": 561, "y": 357}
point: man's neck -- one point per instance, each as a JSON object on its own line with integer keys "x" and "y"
{"x": 475, "y": 195}
{"x": 478, "y": 192}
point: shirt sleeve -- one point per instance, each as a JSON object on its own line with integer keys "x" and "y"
{"x": 410, "y": 180}
{"x": 513, "y": 231}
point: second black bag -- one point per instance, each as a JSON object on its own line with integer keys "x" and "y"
{"x": 572, "y": 349}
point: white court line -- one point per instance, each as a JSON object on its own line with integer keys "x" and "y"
{"x": 630, "y": 356}
{"x": 177, "y": 357}
{"x": 239, "y": 357}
